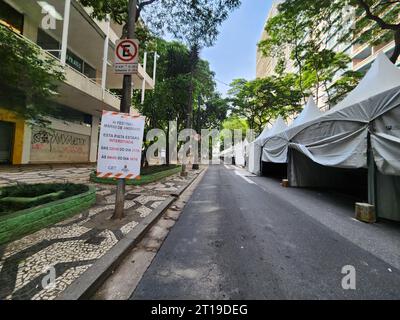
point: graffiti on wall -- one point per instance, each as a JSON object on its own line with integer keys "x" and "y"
{"x": 50, "y": 145}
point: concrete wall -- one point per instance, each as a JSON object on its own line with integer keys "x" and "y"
{"x": 63, "y": 142}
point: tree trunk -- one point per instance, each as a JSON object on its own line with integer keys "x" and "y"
{"x": 126, "y": 101}
{"x": 396, "y": 52}
{"x": 167, "y": 149}
{"x": 189, "y": 116}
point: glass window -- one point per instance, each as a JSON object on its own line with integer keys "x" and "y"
{"x": 74, "y": 61}
{"x": 47, "y": 42}
{"x": 89, "y": 71}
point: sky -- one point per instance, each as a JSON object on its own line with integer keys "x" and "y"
{"x": 234, "y": 53}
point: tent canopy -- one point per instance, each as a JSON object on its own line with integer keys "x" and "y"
{"x": 382, "y": 76}
{"x": 276, "y": 146}
{"x": 310, "y": 112}
{"x": 339, "y": 137}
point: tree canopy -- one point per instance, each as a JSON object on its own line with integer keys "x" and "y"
{"x": 312, "y": 31}
{"x": 191, "y": 21}
{"x": 28, "y": 78}
{"x": 262, "y": 100}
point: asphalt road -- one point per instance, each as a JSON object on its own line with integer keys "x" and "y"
{"x": 249, "y": 238}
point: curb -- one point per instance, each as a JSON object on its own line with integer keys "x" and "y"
{"x": 91, "y": 280}
{"x": 177, "y": 193}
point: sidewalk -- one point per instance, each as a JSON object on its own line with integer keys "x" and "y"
{"x": 72, "y": 246}
{"x": 78, "y": 173}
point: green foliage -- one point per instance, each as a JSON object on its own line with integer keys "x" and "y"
{"x": 168, "y": 101}
{"x": 234, "y": 122}
{"x": 306, "y": 29}
{"x": 347, "y": 82}
{"x": 192, "y": 21}
{"x": 28, "y": 79}
{"x": 262, "y": 100}
{"x": 36, "y": 190}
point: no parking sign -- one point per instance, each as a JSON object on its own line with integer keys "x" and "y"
{"x": 126, "y": 56}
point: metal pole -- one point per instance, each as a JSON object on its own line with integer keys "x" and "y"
{"x": 126, "y": 101}
{"x": 64, "y": 42}
{"x": 144, "y": 77}
{"x": 155, "y": 67}
{"x": 105, "y": 56}
{"x": 371, "y": 174}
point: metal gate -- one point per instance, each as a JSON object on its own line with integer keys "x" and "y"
{"x": 6, "y": 141}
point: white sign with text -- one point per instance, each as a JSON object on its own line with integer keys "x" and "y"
{"x": 120, "y": 145}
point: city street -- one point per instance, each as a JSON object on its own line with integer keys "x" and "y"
{"x": 171, "y": 150}
{"x": 242, "y": 237}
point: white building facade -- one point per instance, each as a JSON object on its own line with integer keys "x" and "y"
{"x": 84, "y": 47}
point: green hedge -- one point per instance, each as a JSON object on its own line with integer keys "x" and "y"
{"x": 20, "y": 223}
{"x": 145, "y": 178}
{"x": 25, "y": 196}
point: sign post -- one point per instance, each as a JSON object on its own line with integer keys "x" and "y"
{"x": 120, "y": 148}
{"x": 126, "y": 56}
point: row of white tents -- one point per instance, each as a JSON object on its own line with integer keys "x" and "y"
{"x": 362, "y": 132}
{"x": 236, "y": 153}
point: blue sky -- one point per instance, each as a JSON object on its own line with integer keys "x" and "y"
{"x": 234, "y": 53}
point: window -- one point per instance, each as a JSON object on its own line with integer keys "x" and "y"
{"x": 11, "y": 17}
{"x": 89, "y": 71}
{"x": 74, "y": 61}
{"x": 47, "y": 42}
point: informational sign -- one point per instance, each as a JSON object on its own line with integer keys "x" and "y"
{"x": 120, "y": 145}
{"x": 126, "y": 56}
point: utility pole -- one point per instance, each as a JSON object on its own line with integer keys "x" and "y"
{"x": 126, "y": 102}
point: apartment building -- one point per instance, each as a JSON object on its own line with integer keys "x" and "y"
{"x": 265, "y": 66}
{"x": 64, "y": 30}
{"x": 362, "y": 56}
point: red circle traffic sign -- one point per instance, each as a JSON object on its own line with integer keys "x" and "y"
{"x": 130, "y": 55}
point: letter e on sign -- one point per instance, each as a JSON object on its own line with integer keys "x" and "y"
{"x": 126, "y": 56}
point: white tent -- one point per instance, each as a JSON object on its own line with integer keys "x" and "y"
{"x": 227, "y": 152}
{"x": 339, "y": 137}
{"x": 275, "y": 147}
{"x": 255, "y": 147}
{"x": 365, "y": 125}
{"x": 239, "y": 154}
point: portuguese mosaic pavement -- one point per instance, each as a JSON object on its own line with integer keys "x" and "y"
{"x": 43, "y": 264}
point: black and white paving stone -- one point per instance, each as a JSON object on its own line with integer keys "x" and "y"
{"x": 69, "y": 248}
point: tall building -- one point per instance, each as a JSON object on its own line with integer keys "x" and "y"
{"x": 65, "y": 31}
{"x": 362, "y": 55}
{"x": 265, "y": 66}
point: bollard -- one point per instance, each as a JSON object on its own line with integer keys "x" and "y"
{"x": 285, "y": 183}
{"x": 365, "y": 212}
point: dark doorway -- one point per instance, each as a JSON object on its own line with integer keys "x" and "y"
{"x": 6, "y": 141}
{"x": 303, "y": 172}
{"x": 274, "y": 170}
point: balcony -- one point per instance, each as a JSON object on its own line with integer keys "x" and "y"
{"x": 85, "y": 91}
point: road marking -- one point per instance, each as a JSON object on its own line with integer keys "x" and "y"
{"x": 238, "y": 173}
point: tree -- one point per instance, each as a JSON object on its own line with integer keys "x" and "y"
{"x": 195, "y": 22}
{"x": 168, "y": 101}
{"x": 367, "y": 21}
{"x": 264, "y": 99}
{"x": 306, "y": 27}
{"x": 188, "y": 20}
{"x": 28, "y": 79}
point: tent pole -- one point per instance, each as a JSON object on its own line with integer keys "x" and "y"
{"x": 371, "y": 174}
